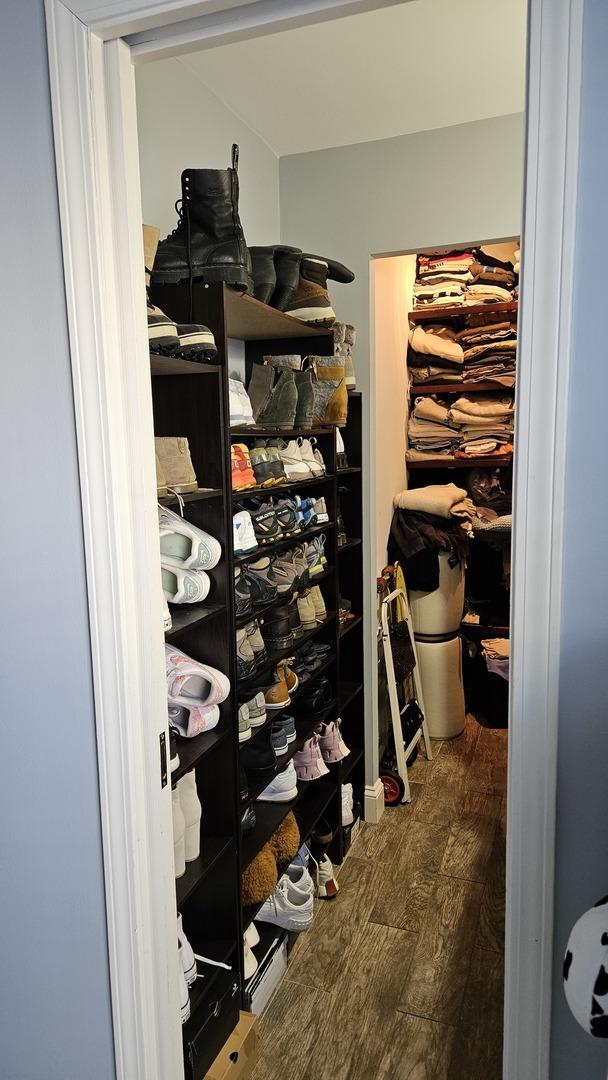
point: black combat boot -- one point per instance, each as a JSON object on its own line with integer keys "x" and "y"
{"x": 287, "y": 270}
{"x": 208, "y": 243}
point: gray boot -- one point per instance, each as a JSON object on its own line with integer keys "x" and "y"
{"x": 260, "y": 388}
{"x": 285, "y": 362}
{"x": 280, "y": 411}
{"x": 306, "y": 398}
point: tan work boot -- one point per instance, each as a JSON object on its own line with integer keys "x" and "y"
{"x": 311, "y": 302}
{"x": 290, "y": 678}
{"x": 161, "y": 482}
{"x": 306, "y": 609}
{"x": 329, "y": 387}
{"x": 173, "y": 453}
{"x": 318, "y": 603}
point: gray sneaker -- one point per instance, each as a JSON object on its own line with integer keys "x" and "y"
{"x": 286, "y": 724}
{"x": 257, "y": 710}
{"x": 278, "y": 738}
{"x": 244, "y": 723}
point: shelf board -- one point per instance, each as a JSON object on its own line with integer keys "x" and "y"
{"x": 268, "y": 818}
{"x": 254, "y": 492}
{"x": 174, "y": 365}
{"x": 462, "y": 463}
{"x": 213, "y": 848}
{"x": 304, "y": 729}
{"x": 478, "y": 630}
{"x": 276, "y": 432}
{"x": 185, "y": 616}
{"x": 279, "y": 545}
{"x": 459, "y": 311}
{"x": 349, "y": 763}
{"x": 347, "y": 692}
{"x": 259, "y": 612}
{"x": 349, "y": 469}
{"x": 459, "y": 388}
{"x": 355, "y": 542}
{"x": 191, "y": 496}
{"x": 349, "y": 625}
{"x": 192, "y": 751}
{"x": 280, "y": 654}
{"x": 249, "y": 319}
{"x": 215, "y": 949}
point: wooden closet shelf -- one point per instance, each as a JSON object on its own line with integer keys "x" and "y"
{"x": 459, "y": 311}
{"x": 459, "y": 388}
{"x": 462, "y": 463}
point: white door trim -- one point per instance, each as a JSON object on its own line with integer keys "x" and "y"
{"x": 553, "y": 104}
{"x": 93, "y": 101}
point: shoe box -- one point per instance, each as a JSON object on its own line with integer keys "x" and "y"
{"x": 272, "y": 965}
{"x": 236, "y": 1060}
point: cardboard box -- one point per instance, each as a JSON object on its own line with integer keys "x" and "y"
{"x": 239, "y": 1053}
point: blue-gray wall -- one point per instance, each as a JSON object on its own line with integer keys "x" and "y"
{"x": 582, "y": 801}
{"x": 55, "y": 1020}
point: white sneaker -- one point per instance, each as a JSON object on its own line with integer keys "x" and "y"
{"x": 194, "y": 719}
{"x": 307, "y": 453}
{"x": 250, "y": 964}
{"x": 243, "y": 535}
{"x": 238, "y": 401}
{"x": 190, "y": 682}
{"x": 287, "y": 908}
{"x": 182, "y": 544}
{"x": 179, "y": 835}
{"x": 186, "y": 954}
{"x": 192, "y": 811}
{"x": 184, "y": 586}
{"x": 327, "y": 886}
{"x": 295, "y": 468}
{"x": 320, "y": 507}
{"x": 347, "y": 804}
{"x": 184, "y": 996}
{"x": 300, "y": 879}
{"x": 167, "y": 620}
{"x": 282, "y": 788}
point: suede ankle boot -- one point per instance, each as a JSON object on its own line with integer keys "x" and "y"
{"x": 329, "y": 388}
{"x": 305, "y": 406}
{"x": 280, "y": 410}
{"x": 260, "y": 388}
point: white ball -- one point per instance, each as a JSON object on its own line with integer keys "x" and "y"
{"x": 586, "y": 970}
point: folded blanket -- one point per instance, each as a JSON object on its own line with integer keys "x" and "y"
{"x": 485, "y": 405}
{"x": 425, "y": 343}
{"x": 488, "y": 348}
{"x": 478, "y": 448}
{"x": 479, "y": 294}
{"x": 441, "y": 457}
{"x": 441, "y": 500}
{"x": 433, "y": 373}
{"x": 427, "y": 408}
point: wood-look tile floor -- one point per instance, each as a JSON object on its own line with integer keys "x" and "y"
{"x": 401, "y": 976}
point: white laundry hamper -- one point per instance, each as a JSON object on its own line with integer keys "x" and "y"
{"x": 440, "y": 612}
{"x": 440, "y": 664}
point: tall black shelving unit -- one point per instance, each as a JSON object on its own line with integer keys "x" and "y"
{"x": 191, "y": 400}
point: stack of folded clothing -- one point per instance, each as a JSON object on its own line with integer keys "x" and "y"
{"x": 496, "y": 652}
{"x": 489, "y": 351}
{"x": 435, "y": 355}
{"x": 427, "y": 521}
{"x": 477, "y": 426}
{"x": 442, "y": 279}
{"x": 464, "y": 277}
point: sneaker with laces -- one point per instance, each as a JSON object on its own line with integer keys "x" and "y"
{"x": 306, "y": 512}
{"x": 287, "y": 908}
{"x": 262, "y": 467}
{"x": 196, "y": 342}
{"x": 307, "y": 454}
{"x": 262, "y": 581}
{"x": 300, "y": 879}
{"x": 333, "y": 747}
{"x": 285, "y": 670}
{"x": 309, "y": 762}
{"x": 244, "y": 723}
{"x": 245, "y": 660}
{"x": 306, "y": 611}
{"x": 183, "y": 544}
{"x": 255, "y": 639}
{"x": 301, "y": 562}
{"x": 282, "y": 788}
{"x": 257, "y": 709}
{"x": 243, "y": 602}
{"x": 347, "y": 815}
{"x": 287, "y": 725}
{"x": 241, "y": 472}
{"x": 278, "y": 739}
{"x": 319, "y": 507}
{"x": 243, "y": 535}
{"x": 275, "y": 462}
{"x": 327, "y": 886}
{"x": 286, "y": 572}
{"x": 241, "y": 414}
{"x": 286, "y": 512}
{"x": 266, "y": 527}
{"x": 318, "y": 603}
{"x": 295, "y": 468}
{"x": 193, "y": 682}
{"x": 276, "y": 694}
{"x": 315, "y": 556}
{"x": 184, "y": 586}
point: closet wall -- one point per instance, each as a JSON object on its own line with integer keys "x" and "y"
{"x": 182, "y": 124}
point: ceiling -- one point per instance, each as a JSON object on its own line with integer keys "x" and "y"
{"x": 411, "y": 67}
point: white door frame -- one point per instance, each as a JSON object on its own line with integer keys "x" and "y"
{"x": 93, "y": 98}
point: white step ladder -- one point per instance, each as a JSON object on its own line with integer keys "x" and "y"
{"x": 402, "y": 752}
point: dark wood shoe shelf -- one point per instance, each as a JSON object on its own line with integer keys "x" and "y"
{"x": 208, "y": 895}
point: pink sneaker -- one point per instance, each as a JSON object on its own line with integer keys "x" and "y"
{"x": 309, "y": 761}
{"x": 333, "y": 747}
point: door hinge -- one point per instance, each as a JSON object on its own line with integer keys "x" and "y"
{"x": 163, "y": 759}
